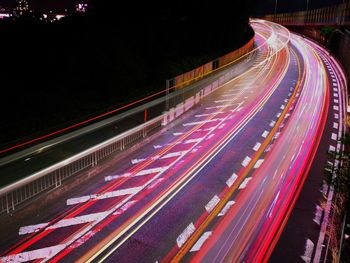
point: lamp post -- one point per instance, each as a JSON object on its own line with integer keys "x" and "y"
{"x": 307, "y": 5}
{"x": 275, "y": 9}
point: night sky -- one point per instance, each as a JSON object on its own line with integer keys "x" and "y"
{"x": 263, "y": 6}
{"x": 46, "y": 5}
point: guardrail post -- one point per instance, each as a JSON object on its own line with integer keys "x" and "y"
{"x": 167, "y": 86}
{"x": 93, "y": 159}
{"x": 7, "y": 204}
{"x": 58, "y": 178}
{"x": 13, "y": 202}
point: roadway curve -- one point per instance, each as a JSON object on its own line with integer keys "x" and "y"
{"x": 217, "y": 185}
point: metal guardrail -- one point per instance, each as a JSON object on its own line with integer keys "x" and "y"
{"x": 174, "y": 83}
{"x": 202, "y": 71}
{"x": 332, "y": 15}
{"x": 176, "y": 103}
{"x": 52, "y": 177}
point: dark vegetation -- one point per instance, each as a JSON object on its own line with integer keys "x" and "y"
{"x": 339, "y": 177}
{"x": 55, "y": 74}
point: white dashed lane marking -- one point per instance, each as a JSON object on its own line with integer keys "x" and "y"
{"x": 197, "y": 246}
{"x": 244, "y": 183}
{"x": 334, "y": 136}
{"x": 212, "y": 203}
{"x": 182, "y": 238}
{"x": 257, "y": 146}
{"x": 226, "y": 208}
{"x": 331, "y": 148}
{"x": 231, "y": 180}
{"x": 246, "y": 161}
{"x": 265, "y": 133}
{"x": 258, "y": 163}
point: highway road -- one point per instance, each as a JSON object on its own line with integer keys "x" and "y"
{"x": 99, "y": 129}
{"x": 218, "y": 185}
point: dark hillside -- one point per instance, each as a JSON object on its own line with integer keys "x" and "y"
{"x": 56, "y": 73}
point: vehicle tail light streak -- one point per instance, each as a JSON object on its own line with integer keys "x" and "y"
{"x": 257, "y": 246}
{"x": 249, "y": 229}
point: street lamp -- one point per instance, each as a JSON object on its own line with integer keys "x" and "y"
{"x": 275, "y": 9}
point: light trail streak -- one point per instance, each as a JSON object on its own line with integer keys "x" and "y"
{"x": 267, "y": 238}
{"x": 264, "y": 185}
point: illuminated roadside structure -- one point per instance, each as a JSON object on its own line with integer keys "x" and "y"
{"x": 22, "y": 6}
{"x": 81, "y": 7}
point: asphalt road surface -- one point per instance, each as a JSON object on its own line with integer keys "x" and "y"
{"x": 217, "y": 186}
